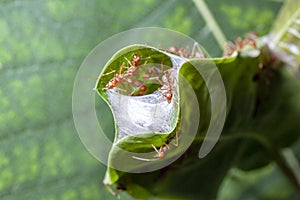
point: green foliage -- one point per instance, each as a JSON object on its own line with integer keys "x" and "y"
{"x": 285, "y": 33}
{"x": 42, "y": 44}
{"x": 248, "y": 136}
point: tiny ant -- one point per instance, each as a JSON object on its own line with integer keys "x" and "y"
{"x": 196, "y": 51}
{"x": 133, "y": 65}
{"x": 130, "y": 78}
{"x": 129, "y": 72}
{"x": 166, "y": 90}
{"x": 160, "y": 154}
{"x": 115, "y": 80}
{"x": 239, "y": 44}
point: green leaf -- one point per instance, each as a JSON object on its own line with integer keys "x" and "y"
{"x": 286, "y": 33}
{"x": 42, "y": 44}
{"x": 266, "y": 181}
{"x": 243, "y": 90}
{"x": 129, "y": 136}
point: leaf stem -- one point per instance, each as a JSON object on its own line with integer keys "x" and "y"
{"x": 293, "y": 162}
{"x": 211, "y": 22}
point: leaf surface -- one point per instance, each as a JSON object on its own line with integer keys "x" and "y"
{"x": 42, "y": 44}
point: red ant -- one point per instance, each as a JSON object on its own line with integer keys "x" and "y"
{"x": 133, "y": 65}
{"x": 196, "y": 51}
{"x": 149, "y": 76}
{"x": 115, "y": 80}
{"x": 129, "y": 72}
{"x": 166, "y": 90}
{"x": 239, "y": 44}
{"x": 160, "y": 154}
{"x": 132, "y": 70}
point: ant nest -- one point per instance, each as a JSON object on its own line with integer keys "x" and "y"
{"x": 143, "y": 114}
{"x": 151, "y": 113}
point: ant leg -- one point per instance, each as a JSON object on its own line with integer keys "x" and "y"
{"x": 176, "y": 139}
{"x": 123, "y": 88}
{"x": 149, "y": 54}
{"x": 145, "y": 159}
{"x": 150, "y": 159}
{"x": 194, "y": 49}
{"x": 196, "y": 54}
{"x": 113, "y": 71}
{"x": 114, "y": 193}
{"x": 161, "y": 152}
{"x": 152, "y": 70}
{"x": 141, "y": 56}
{"x": 139, "y": 85}
{"x": 155, "y": 149}
{"x": 166, "y": 145}
{"x": 161, "y": 66}
{"x": 156, "y": 79}
{"x": 129, "y": 62}
{"x": 121, "y": 68}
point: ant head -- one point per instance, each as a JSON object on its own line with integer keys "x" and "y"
{"x": 136, "y": 59}
{"x": 169, "y": 97}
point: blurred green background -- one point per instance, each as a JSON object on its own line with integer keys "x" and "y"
{"x": 42, "y": 44}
